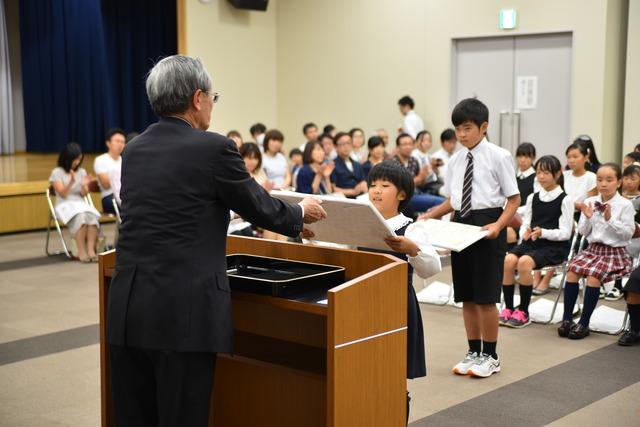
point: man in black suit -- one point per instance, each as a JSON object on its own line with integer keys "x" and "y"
{"x": 169, "y": 308}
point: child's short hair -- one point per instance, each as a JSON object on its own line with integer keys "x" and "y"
{"x": 615, "y": 167}
{"x": 396, "y": 174}
{"x": 447, "y": 135}
{"x": 636, "y": 148}
{"x": 552, "y": 165}
{"x": 249, "y": 149}
{"x": 402, "y": 135}
{"x": 526, "y": 149}
{"x": 406, "y": 100}
{"x": 374, "y": 141}
{"x": 295, "y": 152}
{"x": 272, "y": 135}
{"x": 470, "y": 109}
{"x": 634, "y": 155}
{"x": 631, "y": 170}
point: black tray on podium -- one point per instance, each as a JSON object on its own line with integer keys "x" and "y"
{"x": 280, "y": 277}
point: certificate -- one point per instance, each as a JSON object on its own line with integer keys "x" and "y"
{"x": 450, "y": 235}
{"x": 349, "y": 222}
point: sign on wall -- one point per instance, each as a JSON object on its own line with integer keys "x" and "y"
{"x": 526, "y": 92}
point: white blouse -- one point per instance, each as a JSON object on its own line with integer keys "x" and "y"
{"x": 577, "y": 187}
{"x": 494, "y": 177}
{"x": 565, "y": 222}
{"x": 616, "y": 232}
{"x": 427, "y": 262}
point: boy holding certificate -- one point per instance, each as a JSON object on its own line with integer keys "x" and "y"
{"x": 482, "y": 191}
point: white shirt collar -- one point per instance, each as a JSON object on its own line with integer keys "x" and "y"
{"x": 547, "y": 196}
{"x": 611, "y": 200}
{"x": 479, "y": 146}
{"x": 398, "y": 221}
{"x": 527, "y": 173}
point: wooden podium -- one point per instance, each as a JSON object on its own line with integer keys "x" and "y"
{"x": 296, "y": 363}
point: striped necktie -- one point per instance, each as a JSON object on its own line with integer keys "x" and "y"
{"x": 465, "y": 209}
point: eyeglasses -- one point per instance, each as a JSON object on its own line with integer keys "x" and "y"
{"x": 215, "y": 96}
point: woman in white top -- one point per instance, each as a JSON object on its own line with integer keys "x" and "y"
{"x": 579, "y": 182}
{"x": 274, "y": 163}
{"x": 360, "y": 152}
{"x": 71, "y": 184}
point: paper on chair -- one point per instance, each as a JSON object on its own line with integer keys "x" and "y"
{"x": 349, "y": 222}
{"x": 607, "y": 319}
{"x": 450, "y": 235}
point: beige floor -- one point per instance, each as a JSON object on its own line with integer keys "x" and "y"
{"x": 63, "y": 389}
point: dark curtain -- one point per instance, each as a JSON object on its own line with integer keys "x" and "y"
{"x": 83, "y": 67}
{"x": 137, "y": 34}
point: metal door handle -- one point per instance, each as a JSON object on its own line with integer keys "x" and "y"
{"x": 516, "y": 129}
{"x": 501, "y": 141}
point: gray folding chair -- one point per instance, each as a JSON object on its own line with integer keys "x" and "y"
{"x": 564, "y": 266}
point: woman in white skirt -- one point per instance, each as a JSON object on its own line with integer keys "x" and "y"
{"x": 71, "y": 184}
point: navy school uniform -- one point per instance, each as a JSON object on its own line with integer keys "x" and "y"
{"x": 416, "y": 359}
{"x": 526, "y": 184}
{"x": 554, "y": 216}
{"x": 342, "y": 177}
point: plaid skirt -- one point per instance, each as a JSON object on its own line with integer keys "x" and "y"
{"x": 603, "y": 262}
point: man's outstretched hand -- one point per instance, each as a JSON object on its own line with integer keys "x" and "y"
{"x": 313, "y": 212}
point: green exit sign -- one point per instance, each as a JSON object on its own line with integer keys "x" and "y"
{"x": 508, "y": 19}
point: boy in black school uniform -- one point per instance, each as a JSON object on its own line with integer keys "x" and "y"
{"x": 480, "y": 180}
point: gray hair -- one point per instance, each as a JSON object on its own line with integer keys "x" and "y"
{"x": 172, "y": 82}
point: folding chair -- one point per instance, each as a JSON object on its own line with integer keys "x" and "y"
{"x": 625, "y": 319}
{"x": 49, "y": 193}
{"x": 564, "y": 266}
{"x": 117, "y": 209}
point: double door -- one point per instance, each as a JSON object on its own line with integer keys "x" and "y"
{"x": 526, "y": 83}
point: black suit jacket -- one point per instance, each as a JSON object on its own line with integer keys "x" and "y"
{"x": 170, "y": 289}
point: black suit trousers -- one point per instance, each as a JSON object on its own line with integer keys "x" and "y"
{"x": 160, "y": 387}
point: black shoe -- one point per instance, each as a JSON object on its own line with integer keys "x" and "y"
{"x": 578, "y": 332}
{"x": 565, "y": 328}
{"x": 629, "y": 338}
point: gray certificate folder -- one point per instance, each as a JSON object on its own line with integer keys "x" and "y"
{"x": 349, "y": 222}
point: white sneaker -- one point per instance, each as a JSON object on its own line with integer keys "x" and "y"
{"x": 462, "y": 368}
{"x": 484, "y": 367}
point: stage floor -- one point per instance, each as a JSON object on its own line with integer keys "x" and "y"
{"x": 28, "y": 167}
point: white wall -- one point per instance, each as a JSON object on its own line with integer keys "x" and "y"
{"x": 348, "y": 62}
{"x": 239, "y": 50}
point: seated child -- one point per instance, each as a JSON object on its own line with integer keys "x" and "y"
{"x": 630, "y": 191}
{"x": 295, "y": 158}
{"x": 632, "y": 295}
{"x": 607, "y": 221}
{"x": 545, "y": 232}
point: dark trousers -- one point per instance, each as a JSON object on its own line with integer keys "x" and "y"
{"x": 107, "y": 205}
{"x": 160, "y": 387}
